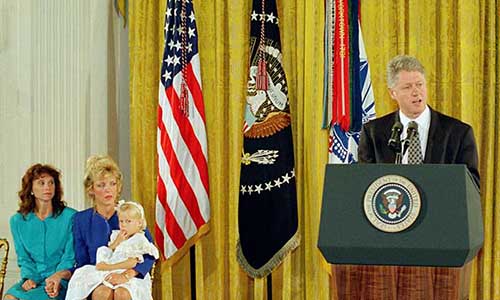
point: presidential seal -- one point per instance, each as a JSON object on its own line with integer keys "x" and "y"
{"x": 392, "y": 203}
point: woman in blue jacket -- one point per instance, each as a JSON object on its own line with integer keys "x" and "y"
{"x": 43, "y": 236}
{"x": 92, "y": 227}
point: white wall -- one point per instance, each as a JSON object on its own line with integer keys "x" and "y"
{"x": 63, "y": 95}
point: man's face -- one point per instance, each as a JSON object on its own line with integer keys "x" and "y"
{"x": 410, "y": 92}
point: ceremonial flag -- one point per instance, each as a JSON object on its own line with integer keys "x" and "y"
{"x": 349, "y": 100}
{"x": 182, "y": 206}
{"x": 267, "y": 211}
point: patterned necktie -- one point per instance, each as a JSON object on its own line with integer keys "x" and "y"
{"x": 415, "y": 156}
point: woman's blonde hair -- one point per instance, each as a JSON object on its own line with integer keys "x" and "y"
{"x": 134, "y": 210}
{"x": 97, "y": 167}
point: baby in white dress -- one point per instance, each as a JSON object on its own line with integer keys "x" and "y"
{"x": 125, "y": 249}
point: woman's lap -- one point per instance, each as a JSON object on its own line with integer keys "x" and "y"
{"x": 37, "y": 293}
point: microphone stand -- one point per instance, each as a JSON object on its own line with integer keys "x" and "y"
{"x": 399, "y": 158}
{"x": 399, "y": 149}
{"x": 406, "y": 145}
{"x": 399, "y": 154}
{"x": 394, "y": 142}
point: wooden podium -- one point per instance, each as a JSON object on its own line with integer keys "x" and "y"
{"x": 429, "y": 260}
{"x": 355, "y": 282}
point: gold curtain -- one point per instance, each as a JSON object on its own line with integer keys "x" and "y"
{"x": 455, "y": 40}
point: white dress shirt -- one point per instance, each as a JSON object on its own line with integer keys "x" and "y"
{"x": 424, "y": 122}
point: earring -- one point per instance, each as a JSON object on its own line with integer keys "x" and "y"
{"x": 32, "y": 194}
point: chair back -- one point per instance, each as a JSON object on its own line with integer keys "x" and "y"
{"x": 152, "y": 272}
{"x": 4, "y": 247}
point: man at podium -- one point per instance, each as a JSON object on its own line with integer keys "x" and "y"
{"x": 416, "y": 133}
{"x": 427, "y": 253}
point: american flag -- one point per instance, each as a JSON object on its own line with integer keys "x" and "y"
{"x": 182, "y": 205}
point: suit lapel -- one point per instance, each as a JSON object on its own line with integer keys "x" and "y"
{"x": 434, "y": 147}
{"x": 387, "y": 131}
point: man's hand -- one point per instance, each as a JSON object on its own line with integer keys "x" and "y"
{"x": 28, "y": 285}
{"x": 53, "y": 285}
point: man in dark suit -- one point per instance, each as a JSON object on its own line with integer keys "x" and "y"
{"x": 443, "y": 139}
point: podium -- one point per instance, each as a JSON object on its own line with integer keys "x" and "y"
{"x": 425, "y": 259}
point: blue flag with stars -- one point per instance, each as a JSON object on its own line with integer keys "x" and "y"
{"x": 267, "y": 212}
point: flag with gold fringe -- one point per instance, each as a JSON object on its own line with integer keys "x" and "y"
{"x": 267, "y": 212}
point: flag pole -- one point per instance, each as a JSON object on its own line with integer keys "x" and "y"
{"x": 269, "y": 286}
{"x": 192, "y": 260}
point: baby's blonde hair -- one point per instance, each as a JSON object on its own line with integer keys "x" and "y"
{"x": 134, "y": 210}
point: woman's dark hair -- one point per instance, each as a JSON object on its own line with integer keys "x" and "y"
{"x": 27, "y": 201}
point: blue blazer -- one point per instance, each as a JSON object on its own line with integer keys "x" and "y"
{"x": 91, "y": 231}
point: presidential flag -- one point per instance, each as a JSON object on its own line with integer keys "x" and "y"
{"x": 349, "y": 100}
{"x": 267, "y": 212}
{"x": 182, "y": 205}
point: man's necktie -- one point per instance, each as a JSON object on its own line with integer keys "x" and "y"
{"x": 414, "y": 150}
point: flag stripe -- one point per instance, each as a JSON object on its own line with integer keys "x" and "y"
{"x": 178, "y": 176}
{"x": 197, "y": 120}
{"x": 159, "y": 233}
{"x": 188, "y": 131}
{"x": 195, "y": 88}
{"x": 355, "y": 108}
{"x": 181, "y": 213}
{"x": 341, "y": 65}
{"x": 168, "y": 246}
{"x": 172, "y": 228}
{"x": 194, "y": 164}
{"x": 180, "y": 222}
{"x": 164, "y": 240}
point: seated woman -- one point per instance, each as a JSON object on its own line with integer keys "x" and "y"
{"x": 92, "y": 227}
{"x": 43, "y": 236}
{"x": 126, "y": 248}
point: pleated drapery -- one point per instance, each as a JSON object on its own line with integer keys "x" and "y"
{"x": 455, "y": 40}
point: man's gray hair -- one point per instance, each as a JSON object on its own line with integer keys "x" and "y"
{"x": 402, "y": 63}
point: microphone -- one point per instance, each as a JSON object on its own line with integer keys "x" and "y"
{"x": 412, "y": 130}
{"x": 395, "y": 140}
{"x": 410, "y": 133}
